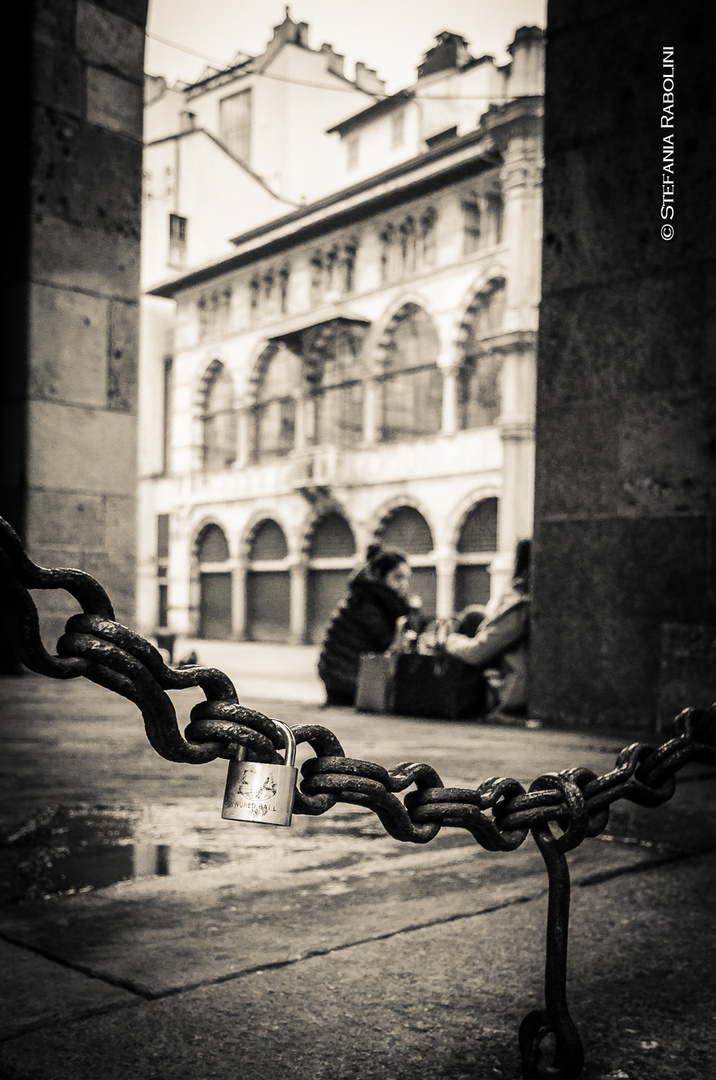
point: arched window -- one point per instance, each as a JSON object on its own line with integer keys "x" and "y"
{"x": 428, "y": 230}
{"x": 333, "y": 354}
{"x": 268, "y": 542}
{"x": 274, "y": 413}
{"x": 406, "y": 529}
{"x": 212, "y": 551}
{"x": 495, "y": 214}
{"x": 268, "y": 585}
{"x": 472, "y": 224}
{"x": 331, "y": 554}
{"x": 218, "y": 419}
{"x": 476, "y": 543}
{"x": 389, "y": 254}
{"x": 479, "y": 379}
{"x": 212, "y": 546}
{"x": 407, "y": 245}
{"x": 411, "y": 386}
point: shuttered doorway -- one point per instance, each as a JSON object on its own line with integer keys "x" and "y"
{"x": 268, "y": 585}
{"x": 331, "y": 558}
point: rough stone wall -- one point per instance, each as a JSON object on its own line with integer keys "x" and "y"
{"x": 68, "y": 474}
{"x": 624, "y": 567}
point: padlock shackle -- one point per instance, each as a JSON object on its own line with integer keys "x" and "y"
{"x": 289, "y": 741}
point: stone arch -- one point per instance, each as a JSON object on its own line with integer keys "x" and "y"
{"x": 328, "y": 569}
{"x": 212, "y": 581}
{"x": 268, "y": 581}
{"x": 377, "y": 338}
{"x": 493, "y": 278}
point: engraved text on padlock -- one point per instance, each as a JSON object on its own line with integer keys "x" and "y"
{"x": 260, "y": 792}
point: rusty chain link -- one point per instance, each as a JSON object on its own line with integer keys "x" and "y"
{"x": 499, "y": 813}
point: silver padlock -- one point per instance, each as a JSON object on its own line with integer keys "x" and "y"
{"x": 262, "y": 792}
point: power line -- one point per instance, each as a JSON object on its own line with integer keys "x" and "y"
{"x": 322, "y": 86}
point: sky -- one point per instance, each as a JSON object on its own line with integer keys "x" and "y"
{"x": 388, "y": 35}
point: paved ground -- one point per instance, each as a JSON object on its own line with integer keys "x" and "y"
{"x": 195, "y": 947}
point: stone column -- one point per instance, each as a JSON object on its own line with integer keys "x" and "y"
{"x": 299, "y": 578}
{"x": 238, "y": 600}
{"x": 370, "y": 412}
{"x": 450, "y": 414}
{"x": 445, "y": 593}
{"x": 68, "y": 416}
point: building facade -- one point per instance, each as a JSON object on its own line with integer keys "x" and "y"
{"x": 360, "y": 367}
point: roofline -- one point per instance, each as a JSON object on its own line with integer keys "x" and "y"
{"x": 420, "y": 175}
{"x": 222, "y": 146}
{"x": 372, "y": 111}
{"x": 409, "y": 93}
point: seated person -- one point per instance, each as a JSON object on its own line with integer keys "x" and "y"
{"x": 500, "y": 644}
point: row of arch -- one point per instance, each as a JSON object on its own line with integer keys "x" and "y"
{"x": 330, "y": 554}
{"x": 323, "y": 373}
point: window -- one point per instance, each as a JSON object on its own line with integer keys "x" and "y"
{"x": 407, "y": 245}
{"x": 177, "y": 240}
{"x": 479, "y": 378}
{"x": 397, "y": 129}
{"x": 350, "y": 251}
{"x": 352, "y": 151}
{"x": 471, "y": 225}
{"x": 218, "y": 419}
{"x": 411, "y": 387}
{"x": 316, "y": 278}
{"x": 388, "y": 254}
{"x": 338, "y": 394}
{"x": 427, "y": 236}
{"x": 284, "y": 275}
{"x": 476, "y": 542}
{"x": 495, "y": 213}
{"x": 274, "y": 414}
{"x": 235, "y": 124}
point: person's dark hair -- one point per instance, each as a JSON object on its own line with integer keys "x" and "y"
{"x": 381, "y": 561}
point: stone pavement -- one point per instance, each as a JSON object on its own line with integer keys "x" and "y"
{"x": 333, "y": 951}
{"x": 259, "y": 670}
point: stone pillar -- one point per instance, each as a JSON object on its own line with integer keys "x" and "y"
{"x": 450, "y": 417}
{"x": 445, "y": 573}
{"x": 299, "y": 579}
{"x": 516, "y": 427}
{"x": 243, "y": 437}
{"x": 71, "y": 285}
{"x": 521, "y": 179}
{"x": 238, "y": 601}
{"x": 624, "y": 577}
{"x": 370, "y": 412}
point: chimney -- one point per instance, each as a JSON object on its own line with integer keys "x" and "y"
{"x": 449, "y": 51}
{"x": 367, "y": 79}
{"x": 187, "y": 120}
{"x": 334, "y": 60}
{"x": 527, "y": 66}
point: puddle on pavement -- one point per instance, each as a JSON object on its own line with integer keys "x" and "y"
{"x": 82, "y": 848}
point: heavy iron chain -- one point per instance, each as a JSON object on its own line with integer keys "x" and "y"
{"x": 499, "y": 813}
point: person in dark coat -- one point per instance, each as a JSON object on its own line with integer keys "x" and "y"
{"x": 378, "y": 595}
